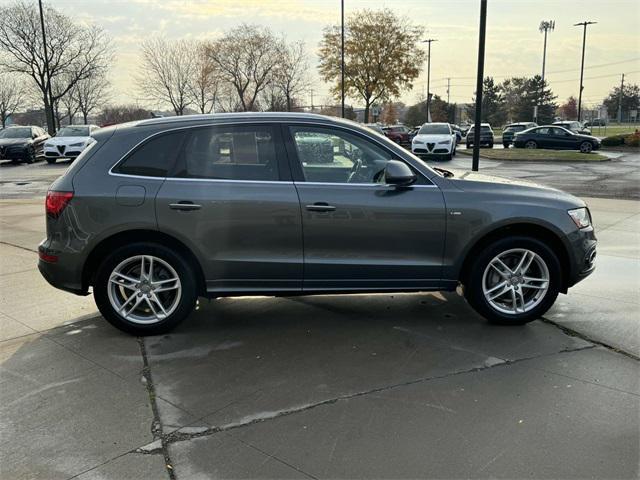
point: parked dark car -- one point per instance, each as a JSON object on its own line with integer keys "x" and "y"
{"x": 458, "y": 131}
{"x": 558, "y": 138}
{"x": 376, "y": 127}
{"x": 575, "y": 127}
{"x": 156, "y": 213}
{"x": 22, "y": 144}
{"x": 399, "y": 134}
{"x": 486, "y": 135}
{"x": 512, "y": 128}
{"x": 597, "y": 122}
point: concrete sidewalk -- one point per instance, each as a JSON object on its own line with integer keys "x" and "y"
{"x": 394, "y": 386}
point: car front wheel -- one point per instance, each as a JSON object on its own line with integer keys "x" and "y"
{"x": 145, "y": 289}
{"x": 30, "y": 155}
{"x": 586, "y": 147}
{"x": 513, "y": 281}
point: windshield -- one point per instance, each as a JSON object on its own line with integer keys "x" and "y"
{"x": 515, "y": 128}
{"x": 73, "y": 132}
{"x": 484, "y": 129}
{"x": 431, "y": 129}
{"x": 16, "y": 133}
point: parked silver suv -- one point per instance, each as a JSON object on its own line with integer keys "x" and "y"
{"x": 156, "y": 213}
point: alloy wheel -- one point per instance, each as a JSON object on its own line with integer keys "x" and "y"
{"x": 144, "y": 289}
{"x": 586, "y": 147}
{"x": 515, "y": 281}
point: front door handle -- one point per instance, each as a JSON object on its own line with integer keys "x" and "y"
{"x": 320, "y": 207}
{"x": 185, "y": 206}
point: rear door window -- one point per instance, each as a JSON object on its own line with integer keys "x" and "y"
{"x": 230, "y": 152}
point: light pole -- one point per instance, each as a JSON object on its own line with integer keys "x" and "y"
{"x": 429, "y": 76}
{"x": 584, "y": 41}
{"x": 545, "y": 27}
{"x": 478, "y": 120}
{"x": 51, "y": 119}
{"x": 342, "y": 54}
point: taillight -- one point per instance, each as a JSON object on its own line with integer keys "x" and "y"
{"x": 56, "y": 202}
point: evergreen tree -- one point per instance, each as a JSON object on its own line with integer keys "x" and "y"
{"x": 493, "y": 107}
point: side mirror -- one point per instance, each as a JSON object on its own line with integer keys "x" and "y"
{"x": 398, "y": 173}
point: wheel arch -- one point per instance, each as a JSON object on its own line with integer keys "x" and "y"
{"x": 533, "y": 230}
{"x": 119, "y": 239}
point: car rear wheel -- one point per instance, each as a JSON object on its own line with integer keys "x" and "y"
{"x": 531, "y": 144}
{"x": 586, "y": 147}
{"x": 505, "y": 144}
{"x": 513, "y": 281}
{"x": 145, "y": 289}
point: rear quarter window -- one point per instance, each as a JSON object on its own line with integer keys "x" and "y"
{"x": 154, "y": 158}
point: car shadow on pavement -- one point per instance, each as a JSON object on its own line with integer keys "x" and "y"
{"x": 240, "y": 359}
{"x": 75, "y": 398}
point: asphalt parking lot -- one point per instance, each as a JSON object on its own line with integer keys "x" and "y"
{"x": 358, "y": 386}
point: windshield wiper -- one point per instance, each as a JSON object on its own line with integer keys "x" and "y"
{"x": 445, "y": 173}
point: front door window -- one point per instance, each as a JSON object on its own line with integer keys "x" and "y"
{"x": 333, "y": 156}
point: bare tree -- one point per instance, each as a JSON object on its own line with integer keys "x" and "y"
{"x": 246, "y": 58}
{"x": 205, "y": 82}
{"x": 12, "y": 96}
{"x": 91, "y": 93}
{"x": 122, "y": 113}
{"x": 74, "y": 52}
{"x": 291, "y": 73}
{"x": 166, "y": 72}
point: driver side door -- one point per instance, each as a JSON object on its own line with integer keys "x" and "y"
{"x": 360, "y": 233}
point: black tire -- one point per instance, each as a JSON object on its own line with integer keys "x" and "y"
{"x": 181, "y": 266}
{"x": 30, "y": 156}
{"x": 531, "y": 144}
{"x": 505, "y": 144}
{"x": 51, "y": 161}
{"x": 491, "y": 145}
{"x": 468, "y": 145}
{"x": 473, "y": 290}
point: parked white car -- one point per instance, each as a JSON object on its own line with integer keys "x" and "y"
{"x": 435, "y": 140}
{"x": 69, "y": 142}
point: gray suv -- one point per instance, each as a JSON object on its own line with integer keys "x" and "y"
{"x": 156, "y": 213}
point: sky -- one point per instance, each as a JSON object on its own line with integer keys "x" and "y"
{"x": 514, "y": 44}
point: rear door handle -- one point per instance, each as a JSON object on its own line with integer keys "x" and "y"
{"x": 320, "y": 207}
{"x": 185, "y": 206}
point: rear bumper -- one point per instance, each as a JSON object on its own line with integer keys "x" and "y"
{"x": 61, "y": 274}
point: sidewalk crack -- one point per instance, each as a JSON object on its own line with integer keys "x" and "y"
{"x": 156, "y": 426}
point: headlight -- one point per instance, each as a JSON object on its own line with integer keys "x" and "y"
{"x": 444, "y": 142}
{"x": 417, "y": 142}
{"x": 580, "y": 217}
{"x": 48, "y": 145}
{"x": 79, "y": 144}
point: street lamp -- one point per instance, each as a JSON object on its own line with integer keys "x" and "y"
{"x": 429, "y": 76}
{"x": 545, "y": 27}
{"x": 584, "y": 40}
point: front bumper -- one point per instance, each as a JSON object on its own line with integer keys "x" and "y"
{"x": 583, "y": 253}
{"x": 13, "y": 153}
{"x": 62, "y": 151}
